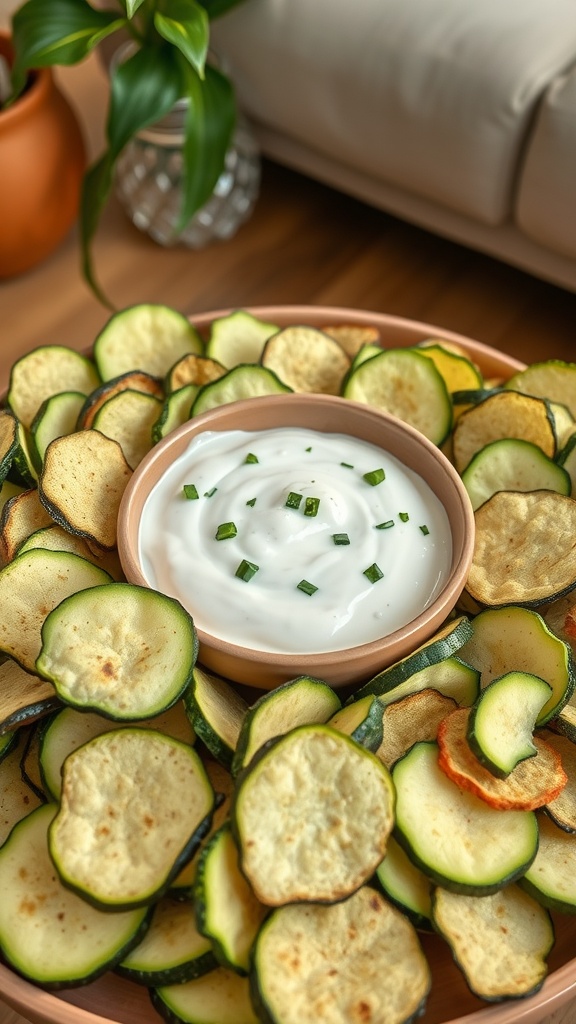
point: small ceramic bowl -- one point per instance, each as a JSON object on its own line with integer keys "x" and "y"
{"x": 341, "y": 668}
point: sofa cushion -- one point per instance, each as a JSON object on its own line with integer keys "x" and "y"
{"x": 546, "y": 208}
{"x": 434, "y": 96}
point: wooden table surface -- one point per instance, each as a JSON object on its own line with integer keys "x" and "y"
{"x": 304, "y": 244}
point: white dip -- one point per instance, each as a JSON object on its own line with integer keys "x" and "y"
{"x": 390, "y": 563}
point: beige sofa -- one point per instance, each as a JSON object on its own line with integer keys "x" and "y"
{"x": 457, "y": 115}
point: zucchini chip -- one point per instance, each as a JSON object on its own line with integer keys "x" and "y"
{"x": 301, "y": 701}
{"x": 511, "y": 464}
{"x": 223, "y": 785}
{"x": 551, "y": 878}
{"x": 128, "y": 418}
{"x": 562, "y": 810}
{"x": 404, "y": 383}
{"x": 503, "y": 719}
{"x": 23, "y": 697}
{"x": 353, "y": 337}
{"x": 58, "y": 415}
{"x": 458, "y": 371}
{"x": 306, "y": 359}
{"x": 362, "y": 721}
{"x": 300, "y": 812}
{"x": 41, "y": 374}
{"x": 227, "y": 911}
{"x": 553, "y": 379}
{"x": 133, "y": 380}
{"x": 135, "y": 804}
{"x": 22, "y": 515}
{"x": 146, "y": 337}
{"x": 503, "y": 414}
{"x": 458, "y": 841}
{"x": 47, "y": 933}
{"x": 55, "y": 538}
{"x": 82, "y": 483}
{"x": 406, "y": 886}
{"x": 410, "y": 720}
{"x": 30, "y": 587}
{"x": 525, "y": 549}
{"x": 122, "y": 650}
{"x": 219, "y": 997}
{"x": 532, "y": 784}
{"x": 8, "y": 441}
{"x": 248, "y": 380}
{"x": 358, "y": 960}
{"x": 216, "y": 711}
{"x": 238, "y": 337}
{"x": 17, "y": 799}
{"x": 516, "y": 639}
{"x": 193, "y": 369}
{"x": 172, "y": 951}
{"x": 175, "y": 411}
{"x": 500, "y": 942}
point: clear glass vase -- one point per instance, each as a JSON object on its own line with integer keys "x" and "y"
{"x": 149, "y": 184}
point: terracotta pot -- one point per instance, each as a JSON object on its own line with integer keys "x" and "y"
{"x": 42, "y": 161}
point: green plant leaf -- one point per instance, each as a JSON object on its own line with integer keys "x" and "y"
{"x": 95, "y": 191}
{"x": 132, "y": 6}
{"x": 48, "y": 32}
{"x": 210, "y": 121}
{"x": 216, "y": 8}
{"x": 184, "y": 23}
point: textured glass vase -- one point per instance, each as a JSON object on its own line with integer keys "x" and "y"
{"x": 149, "y": 184}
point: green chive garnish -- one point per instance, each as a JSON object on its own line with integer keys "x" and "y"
{"x": 208, "y": 494}
{"x": 374, "y": 477}
{"x": 373, "y": 573}
{"x": 251, "y": 458}
{"x": 246, "y": 570}
{"x": 190, "y": 491}
{"x": 340, "y": 538}
{"x": 403, "y": 516}
{"x": 293, "y": 500}
{"x": 386, "y": 525}
{"x": 252, "y": 502}
{"x": 311, "y": 506}
{"x": 425, "y": 530}
{"x": 225, "y": 531}
{"x": 307, "y": 588}
{"x": 309, "y": 449}
{"x": 347, "y": 465}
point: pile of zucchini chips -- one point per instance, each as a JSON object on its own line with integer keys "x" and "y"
{"x": 281, "y": 860}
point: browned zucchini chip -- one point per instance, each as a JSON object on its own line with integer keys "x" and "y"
{"x": 55, "y": 538}
{"x": 410, "y": 720}
{"x": 8, "y": 441}
{"x": 46, "y": 371}
{"x": 306, "y": 359}
{"x": 503, "y": 414}
{"x": 82, "y": 483}
{"x": 553, "y": 379}
{"x": 353, "y": 337}
{"x": 30, "y": 587}
{"x": 128, "y": 418}
{"x": 21, "y": 516}
{"x": 17, "y": 800}
{"x": 525, "y": 549}
{"x": 135, "y": 380}
{"x": 532, "y": 784}
{"x": 562, "y": 809}
{"x": 23, "y": 697}
{"x": 359, "y": 960}
{"x": 500, "y": 941}
{"x": 193, "y": 369}
{"x": 300, "y": 813}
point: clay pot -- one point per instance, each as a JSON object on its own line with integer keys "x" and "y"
{"x": 42, "y": 161}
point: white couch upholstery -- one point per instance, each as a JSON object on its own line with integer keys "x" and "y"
{"x": 455, "y": 114}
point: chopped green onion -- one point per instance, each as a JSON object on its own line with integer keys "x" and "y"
{"x": 251, "y": 458}
{"x": 307, "y": 588}
{"x": 311, "y": 506}
{"x": 225, "y": 531}
{"x": 403, "y": 516}
{"x": 340, "y": 538}
{"x": 252, "y": 502}
{"x": 246, "y": 570}
{"x": 425, "y": 530}
{"x": 190, "y": 491}
{"x": 373, "y": 573}
{"x": 374, "y": 477}
{"x": 208, "y": 494}
{"x": 293, "y": 500}
{"x": 309, "y": 449}
{"x": 386, "y": 525}
{"x": 347, "y": 465}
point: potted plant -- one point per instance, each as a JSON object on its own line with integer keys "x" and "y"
{"x": 166, "y": 64}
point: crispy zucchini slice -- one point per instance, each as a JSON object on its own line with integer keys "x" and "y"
{"x": 502, "y": 721}
{"x": 514, "y": 639}
{"x": 220, "y": 997}
{"x": 55, "y": 538}
{"x": 22, "y": 515}
{"x": 128, "y": 418}
{"x": 172, "y": 951}
{"x": 47, "y": 933}
{"x": 8, "y": 490}
{"x": 353, "y": 337}
{"x": 525, "y": 549}
{"x": 122, "y": 650}
{"x": 42, "y": 373}
{"x": 512, "y": 464}
{"x": 299, "y": 815}
{"x": 439, "y": 824}
{"x": 306, "y": 359}
{"x": 135, "y": 804}
{"x": 227, "y": 911}
{"x": 409, "y": 720}
{"x": 58, "y": 415}
{"x": 8, "y": 441}
{"x": 458, "y": 371}
{"x": 148, "y": 337}
{"x": 500, "y": 942}
{"x": 175, "y": 411}
{"x": 193, "y": 369}
{"x": 533, "y": 783}
{"x": 17, "y": 799}
{"x": 23, "y": 697}
{"x": 298, "y": 702}
{"x": 247, "y": 380}
{"x": 551, "y": 878}
{"x": 133, "y": 380}
{"x": 82, "y": 482}
{"x": 406, "y": 886}
{"x": 223, "y": 786}
{"x": 316, "y": 963}
{"x": 553, "y": 379}
{"x": 216, "y": 711}
{"x": 562, "y": 810}
{"x": 30, "y": 587}
{"x": 238, "y": 337}
{"x": 362, "y": 721}
{"x": 503, "y": 414}
{"x": 404, "y": 383}
{"x": 567, "y": 459}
